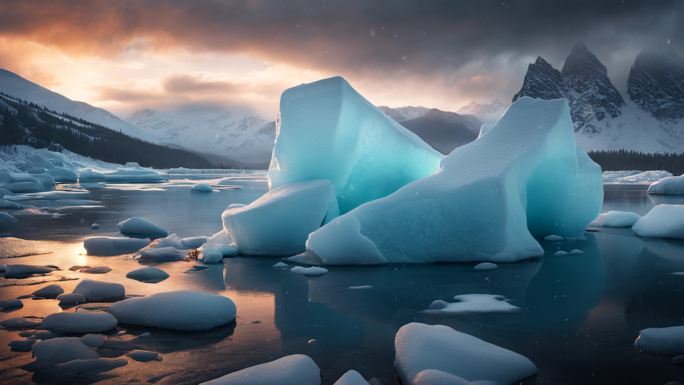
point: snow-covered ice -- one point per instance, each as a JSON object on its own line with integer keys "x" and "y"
{"x": 663, "y": 221}
{"x": 176, "y": 310}
{"x": 148, "y": 275}
{"x": 106, "y": 246}
{"x": 524, "y": 178}
{"x": 141, "y": 228}
{"x": 98, "y": 291}
{"x": 217, "y": 247}
{"x": 311, "y": 271}
{"x": 420, "y": 348}
{"x": 472, "y": 303}
{"x": 132, "y": 172}
{"x": 202, "y": 187}
{"x": 296, "y": 369}
{"x": 616, "y": 219}
{"x": 351, "y": 377}
{"x": 50, "y": 291}
{"x": 79, "y": 322}
{"x": 327, "y": 130}
{"x": 634, "y": 176}
{"x": 668, "y": 340}
{"x": 673, "y": 185}
{"x": 279, "y": 222}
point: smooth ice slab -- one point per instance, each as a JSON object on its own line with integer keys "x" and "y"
{"x": 327, "y": 130}
{"x": 420, "y": 348}
{"x": 524, "y": 178}
{"x": 296, "y": 369}
{"x": 663, "y": 221}
{"x": 279, "y": 222}
{"x": 616, "y": 219}
{"x": 673, "y": 185}
{"x": 176, "y": 310}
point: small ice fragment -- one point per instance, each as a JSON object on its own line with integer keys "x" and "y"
{"x": 663, "y": 221}
{"x": 49, "y": 353}
{"x": 553, "y": 238}
{"x": 162, "y": 254}
{"x": 616, "y": 219}
{"x": 311, "y": 271}
{"x": 95, "y": 226}
{"x": 148, "y": 275}
{"x": 360, "y": 287}
{"x": 144, "y": 356}
{"x": 21, "y": 345}
{"x": 25, "y": 271}
{"x": 576, "y": 252}
{"x": 281, "y": 265}
{"x": 96, "y": 270}
{"x": 472, "y": 303}
{"x": 98, "y": 291}
{"x": 486, "y": 266}
{"x": 70, "y": 299}
{"x": 351, "y": 377}
{"x": 438, "y": 304}
{"x": 20, "y": 323}
{"x": 49, "y": 292}
{"x": 94, "y": 340}
{"x": 202, "y": 188}
{"x": 560, "y": 253}
{"x": 11, "y": 304}
{"x": 141, "y": 227}
{"x": 106, "y": 246}
{"x": 668, "y": 340}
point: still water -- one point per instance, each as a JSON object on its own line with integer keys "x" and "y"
{"x": 580, "y": 313}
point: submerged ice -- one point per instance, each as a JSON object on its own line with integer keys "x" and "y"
{"x": 524, "y": 178}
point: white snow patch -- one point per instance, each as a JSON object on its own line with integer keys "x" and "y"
{"x": 148, "y": 275}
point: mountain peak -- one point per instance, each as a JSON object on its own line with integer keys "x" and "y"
{"x": 582, "y": 61}
{"x": 656, "y": 83}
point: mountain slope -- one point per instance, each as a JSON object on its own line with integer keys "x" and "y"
{"x": 17, "y": 86}
{"x": 656, "y": 84}
{"x": 443, "y": 130}
{"x": 24, "y": 123}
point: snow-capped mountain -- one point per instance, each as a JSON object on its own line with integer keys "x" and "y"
{"x": 18, "y": 87}
{"x": 443, "y": 130}
{"x": 656, "y": 84}
{"x": 487, "y": 112}
{"x": 603, "y": 119}
{"x": 234, "y": 135}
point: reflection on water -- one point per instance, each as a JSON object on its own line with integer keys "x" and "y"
{"x": 579, "y": 317}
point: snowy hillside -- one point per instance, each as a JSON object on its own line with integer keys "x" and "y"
{"x": 235, "y": 135}
{"x": 16, "y": 86}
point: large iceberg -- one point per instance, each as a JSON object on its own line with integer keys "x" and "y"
{"x": 327, "y": 130}
{"x": 279, "y": 222}
{"x": 524, "y": 178}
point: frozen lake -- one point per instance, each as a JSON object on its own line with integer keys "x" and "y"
{"x": 578, "y": 320}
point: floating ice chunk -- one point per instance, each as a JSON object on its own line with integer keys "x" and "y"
{"x": 216, "y": 247}
{"x": 93, "y": 186}
{"x": 79, "y": 322}
{"x": 174, "y": 240}
{"x": 576, "y": 252}
{"x": 663, "y": 221}
{"x": 24, "y": 271}
{"x": 553, "y": 238}
{"x": 421, "y": 347}
{"x": 49, "y": 291}
{"x": 71, "y": 299}
{"x": 7, "y": 221}
{"x": 148, "y": 275}
{"x": 94, "y": 340}
{"x": 193, "y": 242}
{"x": 561, "y": 253}
{"x": 95, "y": 226}
{"x": 669, "y": 340}
{"x": 294, "y": 369}
{"x": 634, "y": 176}
{"x": 106, "y": 246}
{"x": 49, "y": 353}
{"x": 98, "y": 291}
{"x": 311, "y": 271}
{"x": 483, "y": 266}
{"x": 473, "y": 303}
{"x": 360, "y": 287}
{"x": 351, "y": 377}
{"x": 144, "y": 356}
{"x": 11, "y": 304}
{"x": 327, "y": 130}
{"x": 20, "y": 323}
{"x": 97, "y": 270}
{"x": 673, "y": 185}
{"x": 88, "y": 366}
{"x": 176, "y": 310}
{"x": 281, "y": 265}
{"x": 162, "y": 254}
{"x": 616, "y": 219}
{"x": 279, "y": 222}
{"x": 202, "y": 187}
{"x": 130, "y": 173}
{"x": 524, "y": 178}
{"x": 141, "y": 227}
{"x": 21, "y": 345}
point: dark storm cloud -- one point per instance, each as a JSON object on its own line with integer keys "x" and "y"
{"x": 360, "y": 38}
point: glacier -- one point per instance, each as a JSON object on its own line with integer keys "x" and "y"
{"x": 523, "y": 178}
{"x": 327, "y": 130}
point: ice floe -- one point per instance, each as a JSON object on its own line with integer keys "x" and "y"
{"x": 79, "y": 322}
{"x": 311, "y": 271}
{"x": 144, "y": 356}
{"x": 673, "y": 185}
{"x": 634, "y": 176}
{"x": 663, "y": 221}
{"x": 472, "y": 303}
{"x": 141, "y": 228}
{"x": 484, "y": 266}
{"x": 202, "y": 188}
{"x": 98, "y": 291}
{"x": 174, "y": 240}
{"x": 71, "y": 299}
{"x": 279, "y": 222}
{"x": 161, "y": 254}
{"x": 327, "y": 130}
{"x": 130, "y": 173}
{"x": 293, "y": 369}
{"x": 107, "y": 246}
{"x": 49, "y": 353}
{"x": 616, "y": 219}
{"x": 176, "y": 310}
{"x": 524, "y": 178}
{"x": 49, "y": 291}
{"x": 148, "y": 275}
{"x": 19, "y": 323}
{"x": 11, "y": 304}
{"x": 422, "y": 349}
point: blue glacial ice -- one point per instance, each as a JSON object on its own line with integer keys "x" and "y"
{"x": 327, "y": 130}
{"x": 522, "y": 179}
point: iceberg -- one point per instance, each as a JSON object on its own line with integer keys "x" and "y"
{"x": 524, "y": 178}
{"x": 327, "y": 130}
{"x": 131, "y": 172}
{"x": 424, "y": 349}
{"x": 663, "y": 221}
{"x": 673, "y": 185}
{"x": 279, "y": 222}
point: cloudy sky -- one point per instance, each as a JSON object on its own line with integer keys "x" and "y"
{"x": 127, "y": 55}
